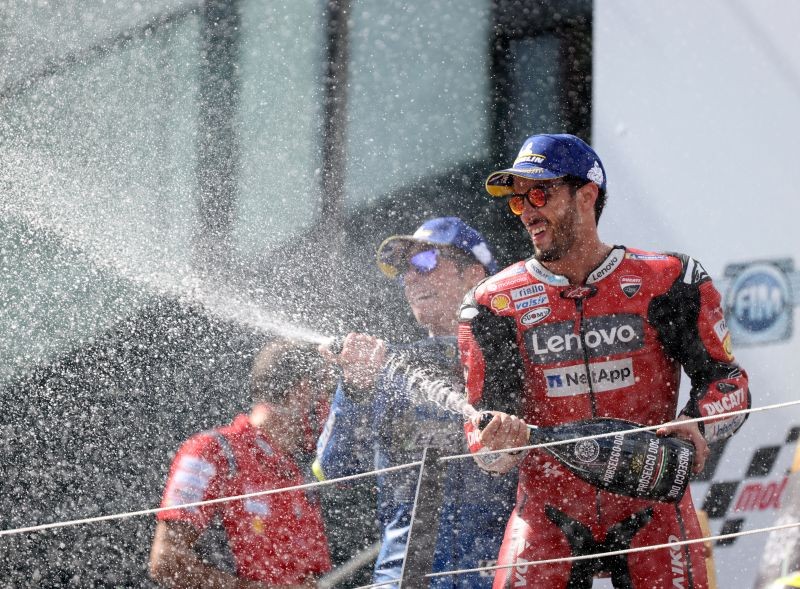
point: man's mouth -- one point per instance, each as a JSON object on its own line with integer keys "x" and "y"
{"x": 537, "y": 228}
{"x": 421, "y": 298}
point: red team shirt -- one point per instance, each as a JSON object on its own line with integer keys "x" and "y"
{"x": 276, "y": 539}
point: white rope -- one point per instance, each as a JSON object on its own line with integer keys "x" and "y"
{"x": 346, "y": 570}
{"x": 615, "y": 552}
{"x": 381, "y": 584}
{"x": 100, "y": 518}
{"x": 61, "y": 524}
{"x": 627, "y": 431}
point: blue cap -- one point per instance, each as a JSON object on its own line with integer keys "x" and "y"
{"x": 544, "y": 157}
{"x": 449, "y": 231}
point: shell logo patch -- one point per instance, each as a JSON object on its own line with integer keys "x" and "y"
{"x": 728, "y": 347}
{"x": 501, "y": 302}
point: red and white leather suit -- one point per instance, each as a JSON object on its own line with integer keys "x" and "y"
{"x": 537, "y": 347}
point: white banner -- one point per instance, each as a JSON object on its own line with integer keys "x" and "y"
{"x": 696, "y": 121}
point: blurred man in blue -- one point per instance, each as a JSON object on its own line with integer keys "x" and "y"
{"x": 381, "y": 416}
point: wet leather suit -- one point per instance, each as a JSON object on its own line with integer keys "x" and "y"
{"x": 549, "y": 352}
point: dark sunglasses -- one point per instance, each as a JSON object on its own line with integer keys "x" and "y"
{"x": 537, "y": 196}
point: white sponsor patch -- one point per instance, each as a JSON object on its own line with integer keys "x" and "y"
{"x": 632, "y": 256}
{"x": 535, "y": 316}
{"x": 526, "y": 291}
{"x": 695, "y": 273}
{"x": 184, "y": 478}
{"x": 190, "y": 481}
{"x": 544, "y": 275}
{"x": 721, "y": 329}
{"x": 608, "y": 266}
{"x": 531, "y": 302}
{"x": 256, "y": 507}
{"x": 176, "y": 496}
{"x": 574, "y": 380}
{"x": 468, "y": 313}
{"x": 719, "y": 430}
{"x": 197, "y": 466}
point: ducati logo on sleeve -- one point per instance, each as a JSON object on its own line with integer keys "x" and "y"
{"x": 630, "y": 285}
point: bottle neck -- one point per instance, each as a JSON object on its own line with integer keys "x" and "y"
{"x": 535, "y": 435}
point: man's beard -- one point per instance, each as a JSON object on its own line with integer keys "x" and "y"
{"x": 564, "y": 237}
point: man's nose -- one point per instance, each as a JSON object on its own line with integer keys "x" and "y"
{"x": 528, "y": 211}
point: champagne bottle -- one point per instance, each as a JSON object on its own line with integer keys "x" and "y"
{"x": 639, "y": 464}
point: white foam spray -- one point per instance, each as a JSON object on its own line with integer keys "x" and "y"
{"x": 423, "y": 386}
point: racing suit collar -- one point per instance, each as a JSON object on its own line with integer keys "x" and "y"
{"x": 605, "y": 268}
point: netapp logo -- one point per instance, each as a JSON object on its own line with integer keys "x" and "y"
{"x": 608, "y": 335}
{"x": 604, "y": 376}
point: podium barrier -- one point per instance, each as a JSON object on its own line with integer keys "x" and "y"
{"x": 781, "y": 558}
{"x": 711, "y": 569}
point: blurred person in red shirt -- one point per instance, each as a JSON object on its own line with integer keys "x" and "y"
{"x": 275, "y": 540}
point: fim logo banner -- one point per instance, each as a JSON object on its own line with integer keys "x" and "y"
{"x": 758, "y": 298}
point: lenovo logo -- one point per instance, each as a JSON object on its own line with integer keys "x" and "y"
{"x": 608, "y": 335}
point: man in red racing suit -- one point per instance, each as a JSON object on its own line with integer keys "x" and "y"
{"x": 584, "y": 330}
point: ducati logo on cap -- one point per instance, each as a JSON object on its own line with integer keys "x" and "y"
{"x": 630, "y": 285}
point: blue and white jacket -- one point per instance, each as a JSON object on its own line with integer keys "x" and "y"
{"x": 391, "y": 428}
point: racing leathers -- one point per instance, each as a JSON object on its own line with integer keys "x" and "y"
{"x": 391, "y": 428}
{"x": 549, "y": 352}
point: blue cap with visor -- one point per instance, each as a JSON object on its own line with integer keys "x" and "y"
{"x": 546, "y": 157}
{"x": 395, "y": 252}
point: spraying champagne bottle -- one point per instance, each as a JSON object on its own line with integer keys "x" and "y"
{"x": 639, "y": 464}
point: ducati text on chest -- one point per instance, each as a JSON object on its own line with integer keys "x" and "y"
{"x": 607, "y": 335}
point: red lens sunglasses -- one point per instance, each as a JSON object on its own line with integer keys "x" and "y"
{"x": 537, "y": 196}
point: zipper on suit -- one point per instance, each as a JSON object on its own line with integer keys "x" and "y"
{"x": 579, "y": 306}
{"x": 579, "y": 303}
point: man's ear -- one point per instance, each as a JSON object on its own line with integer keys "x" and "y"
{"x": 586, "y": 196}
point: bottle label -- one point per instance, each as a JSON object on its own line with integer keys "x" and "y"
{"x": 681, "y": 477}
{"x": 587, "y": 451}
{"x": 640, "y": 464}
{"x": 614, "y": 459}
